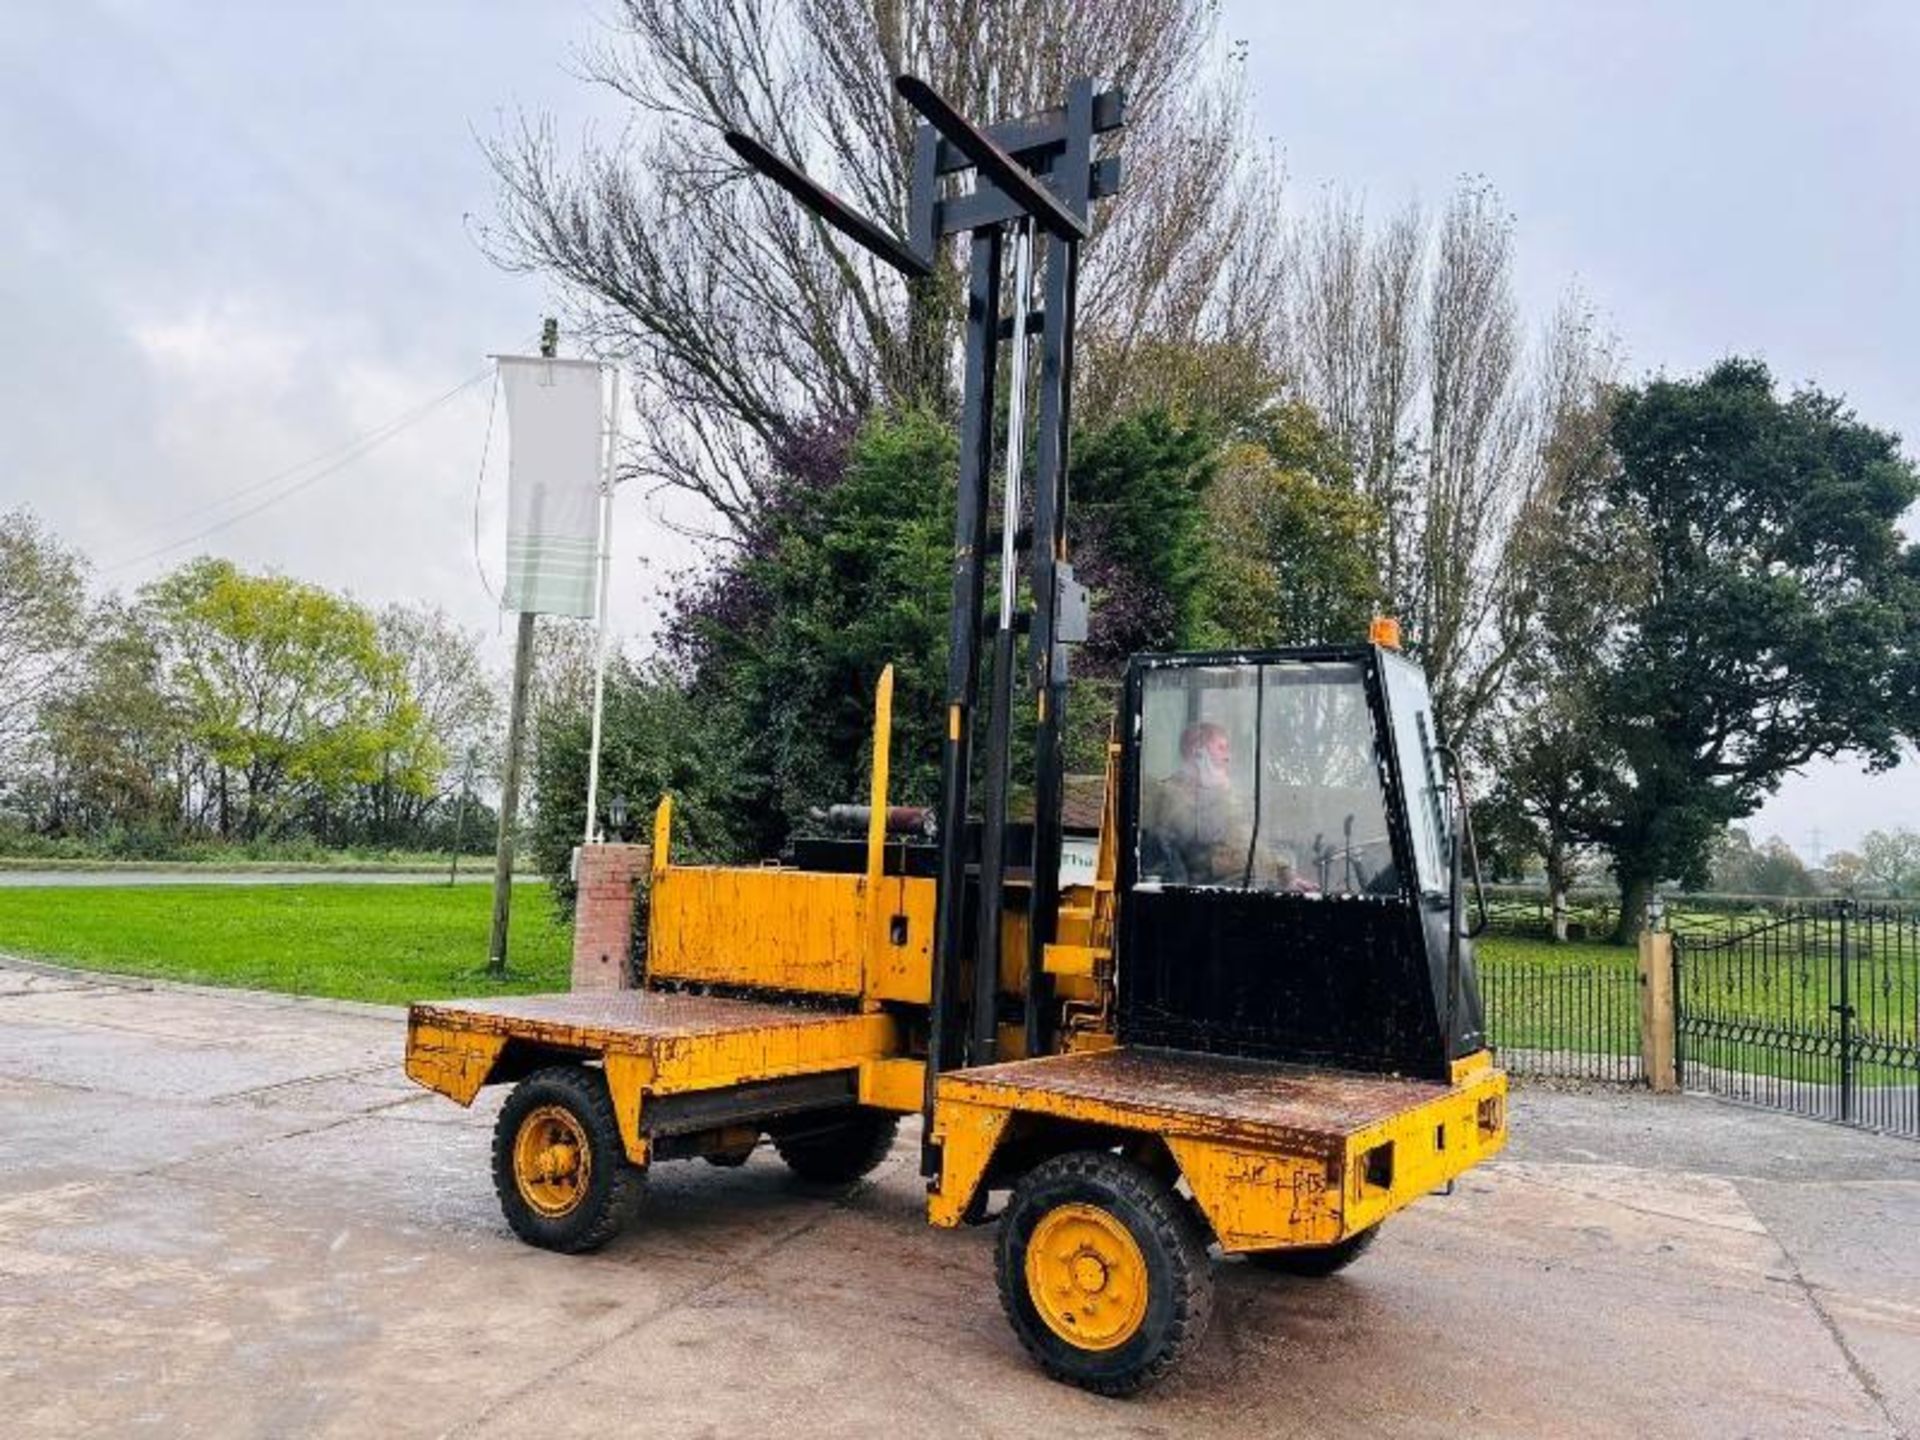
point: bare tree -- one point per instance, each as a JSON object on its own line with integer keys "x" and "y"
{"x": 43, "y": 613}
{"x": 742, "y": 318}
{"x": 1890, "y": 860}
{"x": 1353, "y": 353}
{"x": 1406, "y": 336}
{"x": 1565, "y": 578}
{"x": 438, "y": 675}
{"x": 113, "y": 742}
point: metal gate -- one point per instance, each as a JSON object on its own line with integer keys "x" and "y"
{"x": 1816, "y": 1011}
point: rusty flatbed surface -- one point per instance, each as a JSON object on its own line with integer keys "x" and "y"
{"x": 650, "y": 1041}
{"x": 1213, "y": 1093}
{"x": 622, "y": 1020}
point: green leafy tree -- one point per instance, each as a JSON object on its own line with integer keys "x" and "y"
{"x": 847, "y": 572}
{"x": 437, "y": 713}
{"x": 119, "y": 765}
{"x": 1549, "y": 781}
{"x": 282, "y": 687}
{"x": 847, "y": 568}
{"x": 1742, "y": 868}
{"x": 656, "y": 739}
{"x": 1778, "y": 871}
{"x": 1290, "y": 541}
{"x": 1780, "y": 619}
{"x": 1545, "y": 751}
{"x": 1138, "y": 535}
{"x": 1843, "y": 872}
{"x": 1139, "y": 532}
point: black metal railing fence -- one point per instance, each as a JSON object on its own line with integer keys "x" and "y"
{"x": 1575, "y": 1020}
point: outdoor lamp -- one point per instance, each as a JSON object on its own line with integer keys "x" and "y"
{"x": 617, "y": 816}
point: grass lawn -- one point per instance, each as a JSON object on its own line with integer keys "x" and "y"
{"x": 1510, "y": 950}
{"x": 387, "y": 943}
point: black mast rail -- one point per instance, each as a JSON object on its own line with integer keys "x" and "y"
{"x": 947, "y": 1029}
{"x": 1049, "y": 573}
{"x": 830, "y": 207}
{"x": 991, "y": 161}
{"x": 1037, "y": 132}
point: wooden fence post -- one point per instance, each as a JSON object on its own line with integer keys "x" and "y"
{"x": 1656, "y": 1011}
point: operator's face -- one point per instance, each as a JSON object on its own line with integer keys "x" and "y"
{"x": 1210, "y": 763}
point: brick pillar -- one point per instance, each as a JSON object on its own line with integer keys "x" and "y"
{"x": 603, "y": 913}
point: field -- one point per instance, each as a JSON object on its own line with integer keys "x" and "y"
{"x": 1575, "y": 954}
{"x": 1765, "y": 1013}
{"x": 385, "y": 943}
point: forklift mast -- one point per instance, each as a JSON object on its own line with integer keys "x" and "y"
{"x": 1034, "y": 181}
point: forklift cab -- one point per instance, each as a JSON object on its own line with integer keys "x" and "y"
{"x": 1289, "y": 888}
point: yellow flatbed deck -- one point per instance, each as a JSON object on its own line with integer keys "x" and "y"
{"x": 1275, "y": 1153}
{"x": 1298, "y": 1108}
{"x": 629, "y": 1021}
{"x": 659, "y": 1042}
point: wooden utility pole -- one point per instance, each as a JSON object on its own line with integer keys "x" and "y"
{"x": 510, "y": 798}
{"x": 516, "y": 723}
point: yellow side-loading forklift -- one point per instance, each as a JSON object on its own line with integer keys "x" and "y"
{"x": 1250, "y": 1021}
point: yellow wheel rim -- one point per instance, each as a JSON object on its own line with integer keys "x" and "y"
{"x": 552, "y": 1161}
{"x": 1087, "y": 1277}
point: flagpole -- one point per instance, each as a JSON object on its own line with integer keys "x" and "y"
{"x": 600, "y": 619}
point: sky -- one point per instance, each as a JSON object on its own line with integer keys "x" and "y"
{"x": 240, "y": 237}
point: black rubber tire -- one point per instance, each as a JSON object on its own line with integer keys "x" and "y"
{"x": 837, "y": 1152}
{"x": 1202, "y": 1226}
{"x": 614, "y": 1186}
{"x": 1179, "y": 1274}
{"x": 1316, "y": 1261}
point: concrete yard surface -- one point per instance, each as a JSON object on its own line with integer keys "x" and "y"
{"x": 227, "y": 1213}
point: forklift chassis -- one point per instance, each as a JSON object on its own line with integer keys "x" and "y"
{"x": 1254, "y": 1025}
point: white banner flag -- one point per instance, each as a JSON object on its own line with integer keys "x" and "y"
{"x": 553, "y": 483}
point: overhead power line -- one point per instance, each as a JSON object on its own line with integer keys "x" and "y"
{"x": 330, "y": 462}
{"x": 479, "y": 484}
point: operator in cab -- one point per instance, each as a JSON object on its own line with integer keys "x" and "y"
{"x": 1196, "y": 828}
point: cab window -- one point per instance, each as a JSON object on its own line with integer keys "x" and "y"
{"x": 1261, "y": 777}
{"x": 1415, "y": 739}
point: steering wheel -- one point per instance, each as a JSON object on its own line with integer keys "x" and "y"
{"x": 1336, "y": 858}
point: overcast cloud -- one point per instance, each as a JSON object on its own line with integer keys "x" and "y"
{"x": 238, "y": 236}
